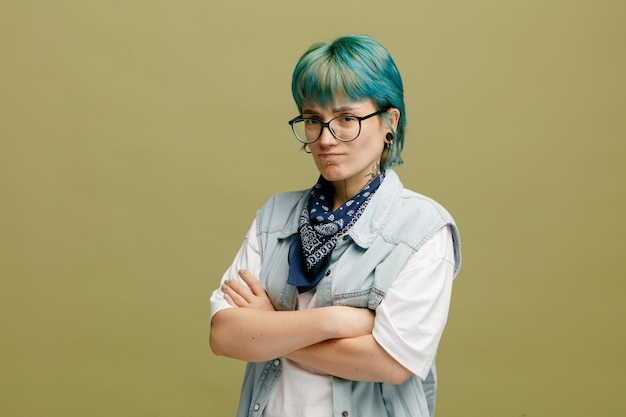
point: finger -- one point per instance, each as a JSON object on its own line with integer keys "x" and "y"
{"x": 253, "y": 282}
{"x": 240, "y": 288}
{"x": 234, "y": 296}
{"x": 229, "y": 300}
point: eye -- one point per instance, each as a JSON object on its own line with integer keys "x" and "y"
{"x": 346, "y": 121}
{"x": 311, "y": 122}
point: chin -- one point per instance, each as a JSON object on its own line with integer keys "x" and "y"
{"x": 332, "y": 174}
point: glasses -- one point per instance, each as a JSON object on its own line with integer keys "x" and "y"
{"x": 343, "y": 128}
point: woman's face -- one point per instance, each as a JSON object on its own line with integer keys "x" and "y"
{"x": 353, "y": 163}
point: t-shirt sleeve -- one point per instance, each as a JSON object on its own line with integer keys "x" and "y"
{"x": 248, "y": 258}
{"x": 411, "y": 318}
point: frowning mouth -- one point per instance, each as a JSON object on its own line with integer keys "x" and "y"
{"x": 328, "y": 156}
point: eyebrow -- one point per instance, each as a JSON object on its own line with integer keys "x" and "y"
{"x": 336, "y": 110}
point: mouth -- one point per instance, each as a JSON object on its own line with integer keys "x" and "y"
{"x": 328, "y": 157}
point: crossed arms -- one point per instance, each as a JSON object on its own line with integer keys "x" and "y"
{"x": 337, "y": 340}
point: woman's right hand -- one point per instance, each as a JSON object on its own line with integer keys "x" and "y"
{"x": 251, "y": 296}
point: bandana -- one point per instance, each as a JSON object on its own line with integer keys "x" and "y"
{"x": 319, "y": 229}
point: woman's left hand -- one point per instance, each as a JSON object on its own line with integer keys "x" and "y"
{"x": 251, "y": 296}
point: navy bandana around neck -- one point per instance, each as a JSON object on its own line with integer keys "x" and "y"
{"x": 319, "y": 230}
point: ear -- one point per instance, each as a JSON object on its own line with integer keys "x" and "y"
{"x": 393, "y": 115}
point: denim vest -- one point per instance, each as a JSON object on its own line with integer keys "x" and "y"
{"x": 396, "y": 223}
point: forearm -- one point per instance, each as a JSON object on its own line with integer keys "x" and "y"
{"x": 358, "y": 358}
{"x": 256, "y": 335}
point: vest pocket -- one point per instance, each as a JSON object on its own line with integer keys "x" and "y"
{"x": 366, "y": 298}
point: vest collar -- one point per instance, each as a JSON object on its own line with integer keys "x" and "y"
{"x": 371, "y": 221}
{"x": 377, "y": 213}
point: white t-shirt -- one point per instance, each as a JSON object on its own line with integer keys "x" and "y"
{"x": 408, "y": 324}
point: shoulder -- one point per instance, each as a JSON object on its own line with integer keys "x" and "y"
{"x": 281, "y": 209}
{"x": 425, "y": 218}
{"x": 411, "y": 204}
{"x": 285, "y": 198}
{"x": 403, "y": 199}
{"x": 414, "y": 218}
{"x": 283, "y": 203}
{"x": 419, "y": 204}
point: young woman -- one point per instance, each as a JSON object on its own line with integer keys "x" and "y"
{"x": 338, "y": 297}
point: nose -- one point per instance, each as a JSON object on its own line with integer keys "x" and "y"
{"x": 326, "y": 137}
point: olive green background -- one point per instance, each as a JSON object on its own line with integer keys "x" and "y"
{"x": 137, "y": 139}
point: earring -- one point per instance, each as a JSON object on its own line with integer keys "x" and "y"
{"x": 389, "y": 142}
{"x": 305, "y": 148}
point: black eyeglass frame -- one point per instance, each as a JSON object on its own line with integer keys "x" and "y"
{"x": 327, "y": 125}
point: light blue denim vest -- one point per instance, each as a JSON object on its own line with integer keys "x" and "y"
{"x": 396, "y": 223}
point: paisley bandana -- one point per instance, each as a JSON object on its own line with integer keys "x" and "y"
{"x": 319, "y": 230}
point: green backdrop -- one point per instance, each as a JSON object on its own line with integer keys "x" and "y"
{"x": 137, "y": 139}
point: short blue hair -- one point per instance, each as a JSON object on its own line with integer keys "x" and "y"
{"x": 354, "y": 67}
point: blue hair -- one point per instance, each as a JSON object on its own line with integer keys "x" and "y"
{"x": 353, "y": 67}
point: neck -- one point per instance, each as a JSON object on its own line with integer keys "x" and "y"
{"x": 343, "y": 192}
{"x": 348, "y": 188}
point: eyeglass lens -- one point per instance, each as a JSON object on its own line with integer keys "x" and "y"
{"x": 344, "y": 128}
